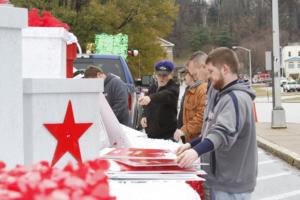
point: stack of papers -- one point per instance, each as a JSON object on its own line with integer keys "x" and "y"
{"x": 148, "y": 164}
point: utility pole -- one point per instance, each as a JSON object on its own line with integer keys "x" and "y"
{"x": 278, "y": 113}
{"x": 204, "y": 12}
{"x": 250, "y": 64}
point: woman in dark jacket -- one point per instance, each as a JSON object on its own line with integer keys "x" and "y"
{"x": 160, "y": 104}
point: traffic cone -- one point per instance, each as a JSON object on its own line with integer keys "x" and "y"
{"x": 254, "y": 112}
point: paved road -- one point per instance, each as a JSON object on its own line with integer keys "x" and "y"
{"x": 276, "y": 179}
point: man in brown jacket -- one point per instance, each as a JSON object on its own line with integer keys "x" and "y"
{"x": 194, "y": 101}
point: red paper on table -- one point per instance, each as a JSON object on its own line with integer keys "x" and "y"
{"x": 147, "y": 162}
{"x": 138, "y": 160}
{"x": 154, "y": 169}
{"x": 139, "y": 153}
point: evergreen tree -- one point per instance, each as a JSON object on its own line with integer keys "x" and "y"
{"x": 200, "y": 37}
{"x": 224, "y": 38}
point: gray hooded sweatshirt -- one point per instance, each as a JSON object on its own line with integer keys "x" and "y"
{"x": 230, "y": 125}
{"x": 116, "y": 93}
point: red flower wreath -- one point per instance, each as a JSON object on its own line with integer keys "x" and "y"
{"x": 42, "y": 182}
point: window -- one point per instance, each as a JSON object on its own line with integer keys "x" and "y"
{"x": 298, "y": 65}
{"x": 290, "y": 54}
{"x": 291, "y": 65}
{"x": 106, "y": 64}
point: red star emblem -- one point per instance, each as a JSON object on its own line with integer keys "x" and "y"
{"x": 67, "y": 135}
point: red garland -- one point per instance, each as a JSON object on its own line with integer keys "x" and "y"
{"x": 42, "y": 182}
{"x": 46, "y": 20}
{"x": 3, "y": 1}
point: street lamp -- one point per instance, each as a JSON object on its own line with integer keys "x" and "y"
{"x": 250, "y": 66}
{"x": 278, "y": 113}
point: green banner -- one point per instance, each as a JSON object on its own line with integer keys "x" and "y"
{"x": 112, "y": 44}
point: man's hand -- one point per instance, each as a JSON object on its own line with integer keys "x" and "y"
{"x": 144, "y": 122}
{"x": 183, "y": 148}
{"x": 178, "y": 133}
{"x": 187, "y": 158}
{"x": 144, "y": 100}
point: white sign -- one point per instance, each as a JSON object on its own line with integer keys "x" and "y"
{"x": 268, "y": 60}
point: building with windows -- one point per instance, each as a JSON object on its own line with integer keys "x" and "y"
{"x": 168, "y": 48}
{"x": 291, "y": 60}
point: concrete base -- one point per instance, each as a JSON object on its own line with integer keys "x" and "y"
{"x": 278, "y": 118}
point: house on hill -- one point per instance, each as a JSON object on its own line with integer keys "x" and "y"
{"x": 291, "y": 60}
{"x": 168, "y": 48}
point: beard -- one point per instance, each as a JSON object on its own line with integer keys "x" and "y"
{"x": 219, "y": 84}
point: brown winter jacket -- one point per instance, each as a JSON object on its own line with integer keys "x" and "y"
{"x": 193, "y": 110}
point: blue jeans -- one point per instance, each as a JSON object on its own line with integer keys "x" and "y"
{"x": 219, "y": 195}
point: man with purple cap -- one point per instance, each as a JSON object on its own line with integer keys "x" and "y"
{"x": 160, "y": 105}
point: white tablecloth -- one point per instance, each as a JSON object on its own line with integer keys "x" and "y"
{"x": 139, "y": 139}
{"x": 152, "y": 190}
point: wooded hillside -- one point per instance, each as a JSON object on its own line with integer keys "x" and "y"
{"x": 248, "y": 23}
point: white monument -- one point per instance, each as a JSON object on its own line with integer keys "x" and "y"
{"x": 46, "y": 101}
{"x": 12, "y": 20}
{"x": 44, "y": 52}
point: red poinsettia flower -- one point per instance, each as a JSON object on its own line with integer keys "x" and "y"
{"x": 46, "y": 20}
{"x": 42, "y": 182}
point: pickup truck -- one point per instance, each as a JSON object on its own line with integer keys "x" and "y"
{"x": 116, "y": 65}
{"x": 290, "y": 86}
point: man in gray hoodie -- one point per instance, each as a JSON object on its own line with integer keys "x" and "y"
{"x": 228, "y": 143}
{"x": 115, "y": 91}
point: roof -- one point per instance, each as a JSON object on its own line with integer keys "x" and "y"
{"x": 293, "y": 59}
{"x": 103, "y": 56}
{"x": 166, "y": 43}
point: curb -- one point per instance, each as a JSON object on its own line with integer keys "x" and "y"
{"x": 288, "y": 156}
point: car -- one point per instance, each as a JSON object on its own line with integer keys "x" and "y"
{"x": 268, "y": 82}
{"x": 116, "y": 65}
{"x": 290, "y": 86}
{"x": 298, "y": 85}
{"x": 283, "y": 82}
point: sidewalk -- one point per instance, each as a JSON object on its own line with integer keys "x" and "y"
{"x": 284, "y": 143}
